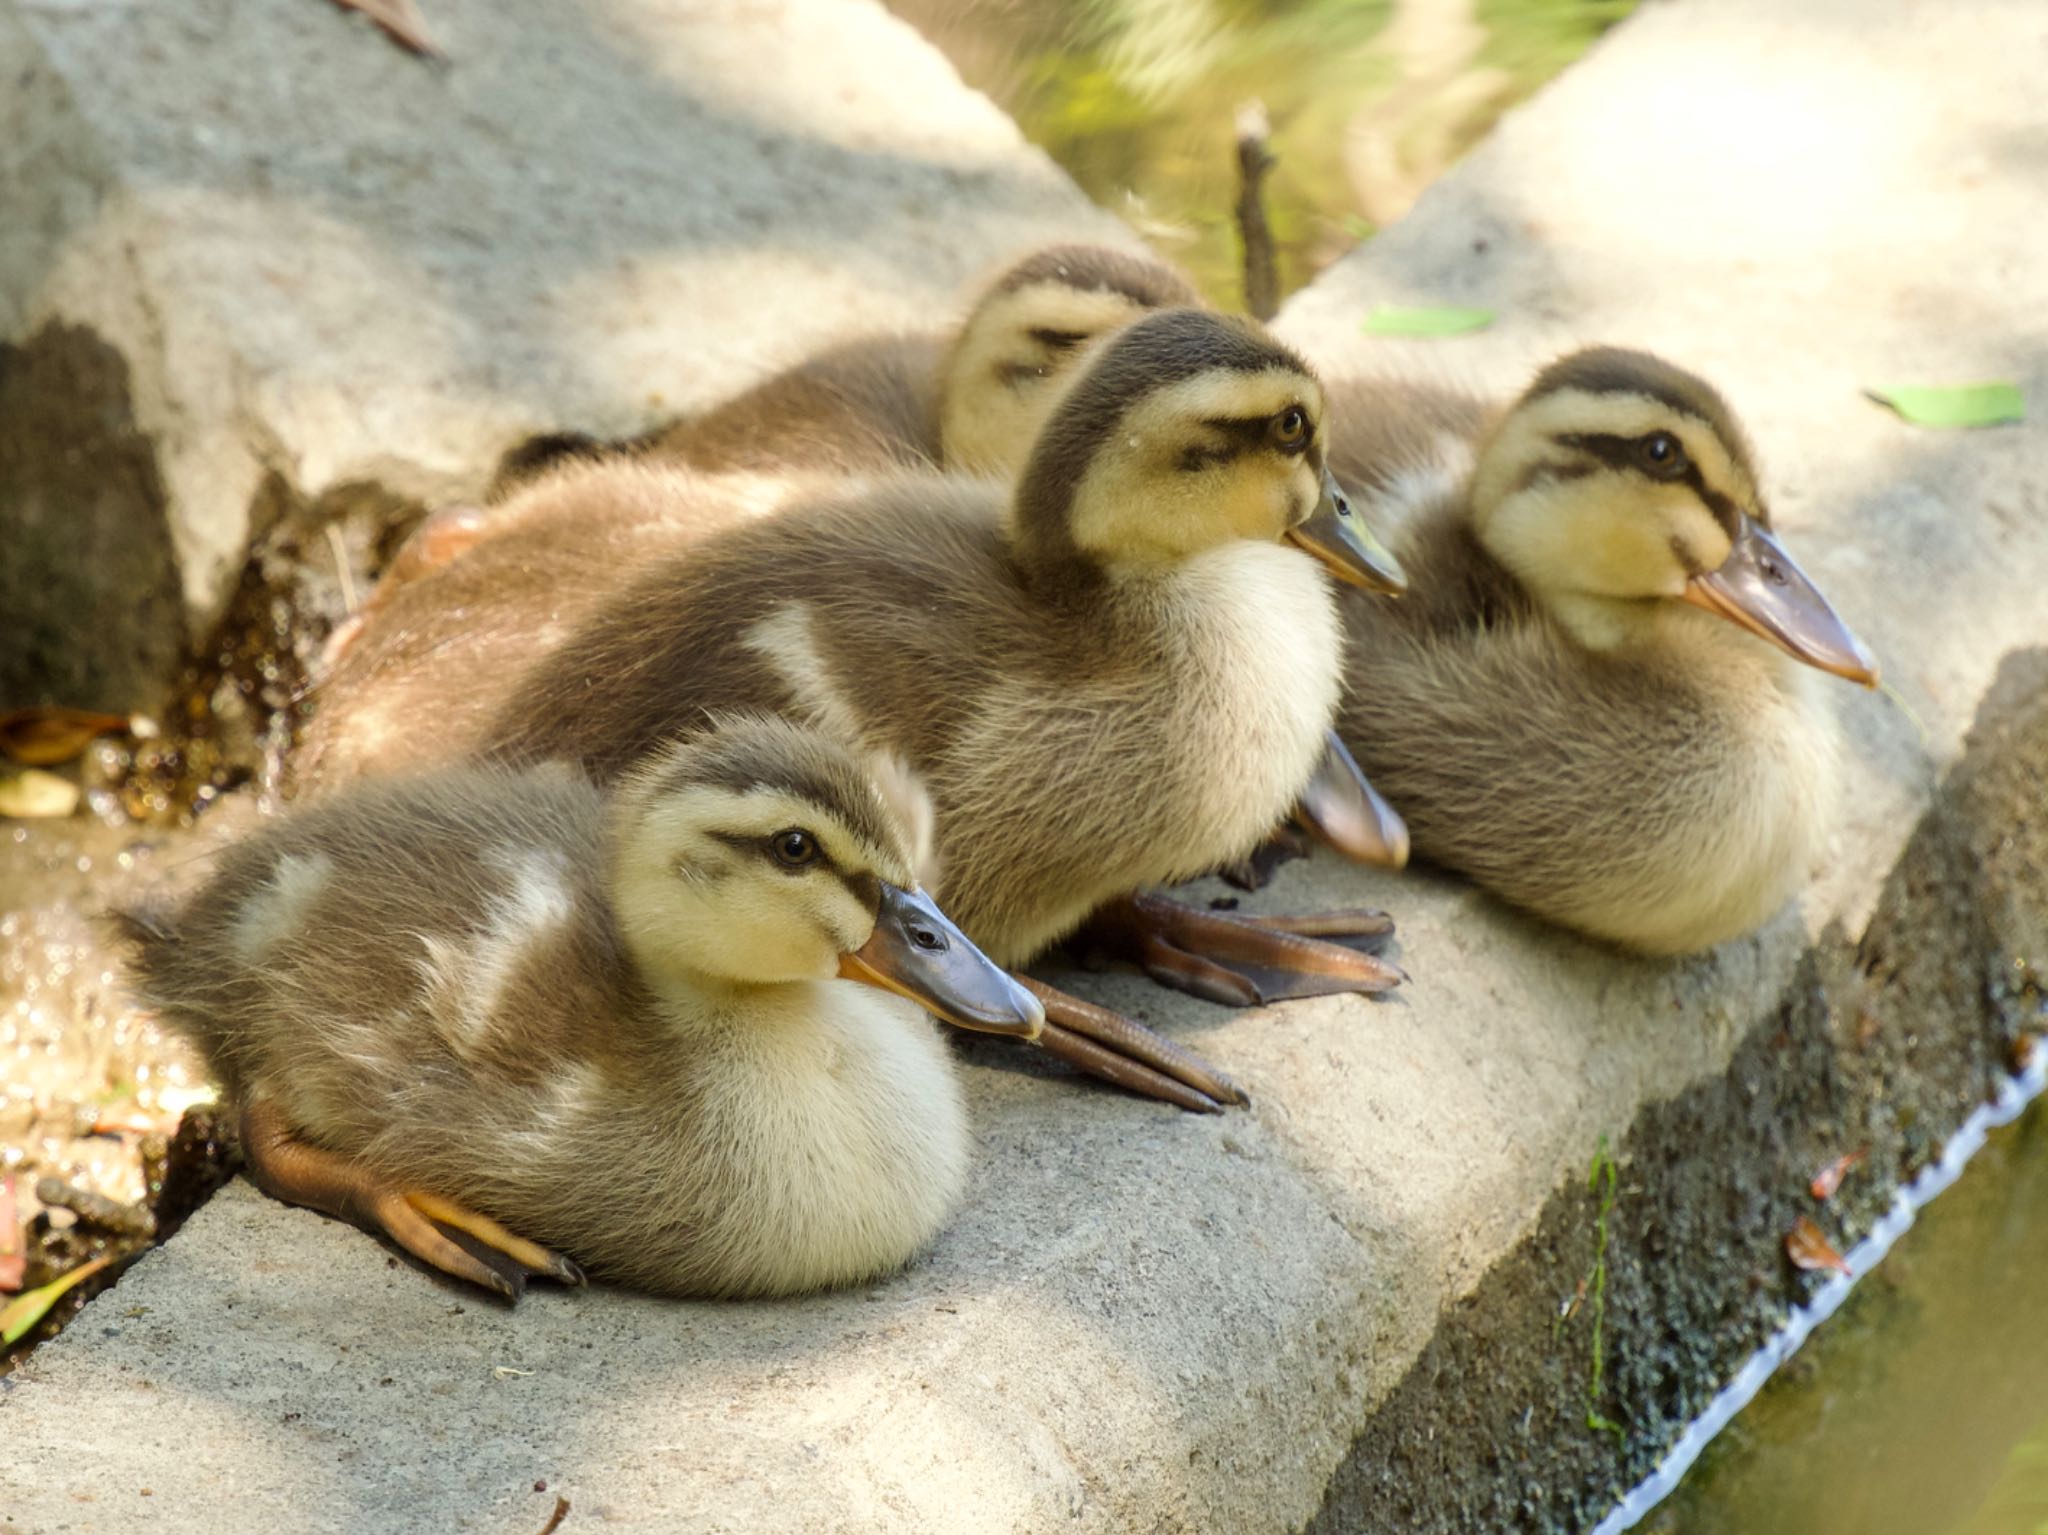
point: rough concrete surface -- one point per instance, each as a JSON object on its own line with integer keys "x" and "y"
{"x": 315, "y": 256}
{"x": 1144, "y": 1321}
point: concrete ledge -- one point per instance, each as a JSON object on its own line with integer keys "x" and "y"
{"x": 315, "y": 257}
{"x": 1145, "y": 1321}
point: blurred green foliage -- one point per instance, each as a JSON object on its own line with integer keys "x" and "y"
{"x": 1138, "y": 99}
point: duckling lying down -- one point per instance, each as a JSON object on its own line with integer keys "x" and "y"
{"x": 465, "y": 1004}
{"x": 1597, "y": 702}
{"x": 1120, "y": 675}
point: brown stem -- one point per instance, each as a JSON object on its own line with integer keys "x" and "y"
{"x": 1254, "y": 161}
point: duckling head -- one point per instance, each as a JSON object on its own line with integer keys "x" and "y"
{"x": 1185, "y": 431}
{"x": 1023, "y": 339}
{"x": 760, "y": 853}
{"x": 1619, "y": 485}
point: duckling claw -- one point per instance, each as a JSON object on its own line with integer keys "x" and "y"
{"x": 1270, "y": 959}
{"x": 1106, "y": 1044}
{"x": 1080, "y": 1051}
{"x": 299, "y": 1172}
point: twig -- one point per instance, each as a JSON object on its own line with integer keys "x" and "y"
{"x": 348, "y": 580}
{"x": 401, "y": 20}
{"x": 13, "y": 1249}
{"x": 1254, "y": 161}
{"x": 555, "y": 1519}
{"x": 96, "y": 1209}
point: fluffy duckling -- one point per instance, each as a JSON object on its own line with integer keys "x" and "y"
{"x": 877, "y": 404}
{"x": 619, "y": 1035}
{"x": 1120, "y": 675}
{"x": 1136, "y": 559}
{"x": 1590, "y": 703}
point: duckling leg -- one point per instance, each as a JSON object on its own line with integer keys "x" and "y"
{"x": 1339, "y": 808}
{"x": 1245, "y": 961}
{"x": 301, "y": 1173}
{"x": 1121, "y": 1050}
{"x": 1256, "y": 869}
{"x": 445, "y": 534}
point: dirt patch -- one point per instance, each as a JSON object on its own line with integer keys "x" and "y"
{"x": 1513, "y": 1417}
{"x": 90, "y": 1088}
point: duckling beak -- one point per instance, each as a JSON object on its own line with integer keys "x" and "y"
{"x": 1761, "y": 588}
{"x": 1344, "y": 811}
{"x": 917, "y": 953}
{"x": 1338, "y": 536}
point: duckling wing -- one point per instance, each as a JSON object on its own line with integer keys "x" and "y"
{"x": 865, "y": 406}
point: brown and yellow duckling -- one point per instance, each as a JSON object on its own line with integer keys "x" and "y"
{"x": 1119, "y": 675}
{"x": 504, "y": 583}
{"x": 972, "y": 401}
{"x": 1599, "y": 699}
{"x": 622, "y": 1034}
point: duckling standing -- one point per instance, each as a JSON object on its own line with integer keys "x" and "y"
{"x": 1589, "y": 703}
{"x": 616, "y": 1037}
{"x": 1122, "y": 677}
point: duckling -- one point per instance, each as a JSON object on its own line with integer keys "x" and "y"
{"x": 868, "y": 406}
{"x": 1121, "y": 675}
{"x": 1590, "y": 703}
{"x": 1167, "y": 605}
{"x": 609, "y": 1034}
{"x": 971, "y": 402}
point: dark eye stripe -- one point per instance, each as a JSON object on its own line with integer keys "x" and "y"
{"x": 1058, "y": 340}
{"x": 865, "y": 888}
{"x": 1194, "y": 458}
{"x": 1547, "y": 472}
{"x": 1621, "y": 453}
{"x": 760, "y": 847}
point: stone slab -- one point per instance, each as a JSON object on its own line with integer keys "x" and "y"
{"x": 276, "y": 245}
{"x": 1147, "y": 1321}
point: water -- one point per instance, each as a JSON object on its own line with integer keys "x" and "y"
{"x": 1921, "y": 1407}
{"x": 1369, "y": 101}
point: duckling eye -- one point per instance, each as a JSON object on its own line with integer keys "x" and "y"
{"x": 1289, "y": 430}
{"x": 794, "y": 848}
{"x": 1662, "y": 456}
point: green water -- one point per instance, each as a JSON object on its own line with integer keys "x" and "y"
{"x": 1137, "y": 99}
{"x": 1921, "y": 1407}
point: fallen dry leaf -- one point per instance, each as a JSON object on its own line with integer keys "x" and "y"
{"x": 13, "y": 1259}
{"x": 33, "y": 795}
{"x": 402, "y": 20}
{"x": 1809, "y": 1249}
{"x": 46, "y": 736}
{"x": 1829, "y": 1178}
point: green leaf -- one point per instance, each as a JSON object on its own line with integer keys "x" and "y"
{"x": 1393, "y": 320}
{"x": 31, "y": 1306}
{"x": 1955, "y": 405}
